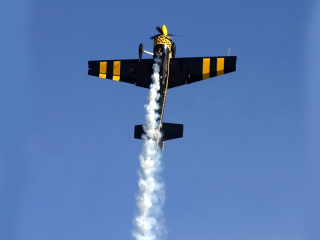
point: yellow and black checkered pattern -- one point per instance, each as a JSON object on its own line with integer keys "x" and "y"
{"x": 162, "y": 39}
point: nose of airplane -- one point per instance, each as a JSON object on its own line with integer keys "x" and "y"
{"x": 164, "y": 30}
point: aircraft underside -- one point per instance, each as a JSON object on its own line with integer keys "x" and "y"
{"x": 174, "y": 72}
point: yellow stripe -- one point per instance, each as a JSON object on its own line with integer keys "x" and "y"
{"x": 220, "y": 66}
{"x": 103, "y": 70}
{"x": 206, "y": 68}
{"x": 116, "y": 70}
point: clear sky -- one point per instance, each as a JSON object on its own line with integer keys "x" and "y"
{"x": 247, "y": 165}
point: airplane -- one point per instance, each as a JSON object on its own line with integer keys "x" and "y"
{"x": 174, "y": 72}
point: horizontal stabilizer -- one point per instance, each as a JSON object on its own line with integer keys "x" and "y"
{"x": 169, "y": 131}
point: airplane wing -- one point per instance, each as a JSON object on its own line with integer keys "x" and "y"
{"x": 190, "y": 70}
{"x": 182, "y": 70}
{"x": 129, "y": 71}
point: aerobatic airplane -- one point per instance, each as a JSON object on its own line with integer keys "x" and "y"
{"x": 174, "y": 72}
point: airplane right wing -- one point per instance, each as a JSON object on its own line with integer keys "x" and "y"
{"x": 190, "y": 70}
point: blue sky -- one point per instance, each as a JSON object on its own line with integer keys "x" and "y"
{"x": 246, "y": 167}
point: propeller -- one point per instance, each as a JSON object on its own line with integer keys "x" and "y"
{"x": 153, "y": 37}
{"x": 159, "y": 29}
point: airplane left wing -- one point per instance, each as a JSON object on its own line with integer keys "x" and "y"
{"x": 129, "y": 71}
{"x": 190, "y": 70}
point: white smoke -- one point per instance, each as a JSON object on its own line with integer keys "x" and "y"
{"x": 151, "y": 190}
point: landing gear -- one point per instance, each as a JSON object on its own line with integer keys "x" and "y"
{"x": 140, "y": 51}
{"x": 173, "y": 50}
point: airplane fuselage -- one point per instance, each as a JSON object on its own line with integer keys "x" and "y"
{"x": 162, "y": 50}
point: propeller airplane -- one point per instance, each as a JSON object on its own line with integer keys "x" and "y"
{"x": 174, "y": 72}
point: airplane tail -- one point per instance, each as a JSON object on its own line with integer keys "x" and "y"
{"x": 169, "y": 131}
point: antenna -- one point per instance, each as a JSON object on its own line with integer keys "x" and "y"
{"x": 229, "y": 52}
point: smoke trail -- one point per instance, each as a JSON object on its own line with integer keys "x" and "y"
{"x": 151, "y": 190}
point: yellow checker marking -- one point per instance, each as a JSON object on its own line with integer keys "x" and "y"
{"x": 116, "y": 70}
{"x": 206, "y": 68}
{"x": 103, "y": 70}
{"x": 220, "y": 66}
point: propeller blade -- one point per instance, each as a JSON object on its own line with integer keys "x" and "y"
{"x": 153, "y": 37}
{"x": 159, "y": 30}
